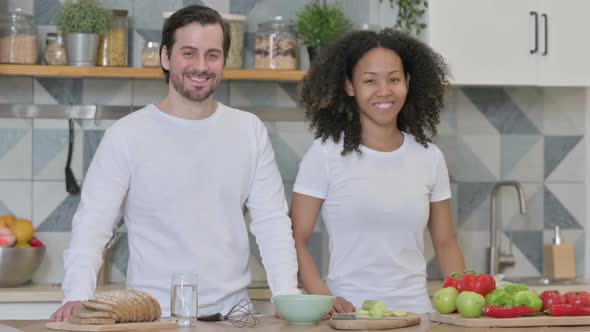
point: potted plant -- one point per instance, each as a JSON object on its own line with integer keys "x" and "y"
{"x": 318, "y": 24}
{"x": 82, "y": 22}
{"x": 409, "y": 15}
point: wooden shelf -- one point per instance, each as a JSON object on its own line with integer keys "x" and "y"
{"x": 141, "y": 73}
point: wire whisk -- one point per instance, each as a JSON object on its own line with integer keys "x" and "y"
{"x": 240, "y": 315}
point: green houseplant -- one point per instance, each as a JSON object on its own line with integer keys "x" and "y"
{"x": 409, "y": 16}
{"x": 318, "y": 24}
{"x": 82, "y": 22}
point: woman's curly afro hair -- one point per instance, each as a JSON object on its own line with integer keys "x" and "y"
{"x": 331, "y": 112}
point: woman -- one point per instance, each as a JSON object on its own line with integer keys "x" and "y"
{"x": 372, "y": 171}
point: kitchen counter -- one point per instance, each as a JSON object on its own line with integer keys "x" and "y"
{"x": 273, "y": 324}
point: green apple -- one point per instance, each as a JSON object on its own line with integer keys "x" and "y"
{"x": 470, "y": 304}
{"x": 445, "y": 300}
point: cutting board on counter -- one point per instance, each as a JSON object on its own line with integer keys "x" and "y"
{"x": 456, "y": 319}
{"x": 66, "y": 326}
{"x": 374, "y": 323}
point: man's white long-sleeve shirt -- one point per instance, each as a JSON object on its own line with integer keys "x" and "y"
{"x": 183, "y": 185}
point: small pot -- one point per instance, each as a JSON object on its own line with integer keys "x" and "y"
{"x": 82, "y": 49}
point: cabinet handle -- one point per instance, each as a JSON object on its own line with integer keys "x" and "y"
{"x": 533, "y": 13}
{"x": 546, "y": 19}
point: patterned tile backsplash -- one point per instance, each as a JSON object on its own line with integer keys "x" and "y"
{"x": 533, "y": 135}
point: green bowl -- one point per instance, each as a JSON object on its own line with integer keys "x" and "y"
{"x": 303, "y": 309}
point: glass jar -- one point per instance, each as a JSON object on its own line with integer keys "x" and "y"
{"x": 236, "y": 50}
{"x": 150, "y": 54}
{"x": 55, "y": 50}
{"x": 276, "y": 45}
{"x": 112, "y": 47}
{"x": 18, "y": 38}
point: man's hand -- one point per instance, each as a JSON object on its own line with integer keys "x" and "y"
{"x": 341, "y": 305}
{"x": 65, "y": 312}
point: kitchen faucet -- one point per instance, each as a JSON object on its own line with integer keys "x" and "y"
{"x": 496, "y": 258}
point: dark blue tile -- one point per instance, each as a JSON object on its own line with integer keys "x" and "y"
{"x": 556, "y": 149}
{"x": 241, "y": 7}
{"x": 433, "y": 269}
{"x": 556, "y": 214}
{"x": 192, "y": 2}
{"x": 47, "y": 143}
{"x": 92, "y": 139}
{"x": 530, "y": 243}
{"x": 513, "y": 148}
{"x": 120, "y": 254}
{"x": 291, "y": 90}
{"x": 150, "y": 34}
{"x": 501, "y": 111}
{"x": 60, "y": 220}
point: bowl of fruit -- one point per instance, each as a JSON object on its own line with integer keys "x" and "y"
{"x": 21, "y": 252}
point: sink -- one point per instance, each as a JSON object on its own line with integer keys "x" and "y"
{"x": 541, "y": 281}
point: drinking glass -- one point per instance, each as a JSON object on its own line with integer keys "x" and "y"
{"x": 183, "y": 298}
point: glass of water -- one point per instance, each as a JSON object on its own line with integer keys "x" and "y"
{"x": 183, "y": 298}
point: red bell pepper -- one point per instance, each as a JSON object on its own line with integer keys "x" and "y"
{"x": 578, "y": 298}
{"x": 508, "y": 312}
{"x": 568, "y": 310}
{"x": 479, "y": 283}
{"x": 551, "y": 297}
{"x": 454, "y": 280}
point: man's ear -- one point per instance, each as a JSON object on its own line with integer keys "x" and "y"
{"x": 165, "y": 58}
{"x": 348, "y": 88}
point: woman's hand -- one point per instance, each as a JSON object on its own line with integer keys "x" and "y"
{"x": 65, "y": 312}
{"x": 341, "y": 305}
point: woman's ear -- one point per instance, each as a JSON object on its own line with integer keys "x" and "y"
{"x": 348, "y": 88}
{"x": 408, "y": 80}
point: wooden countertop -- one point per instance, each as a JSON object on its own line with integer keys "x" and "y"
{"x": 257, "y": 291}
{"x": 273, "y": 324}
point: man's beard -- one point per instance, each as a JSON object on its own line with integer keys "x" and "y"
{"x": 197, "y": 96}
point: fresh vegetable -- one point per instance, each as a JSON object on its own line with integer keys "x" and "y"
{"x": 470, "y": 304}
{"x": 480, "y": 283}
{"x": 445, "y": 300}
{"x": 551, "y": 297}
{"x": 515, "y": 288}
{"x": 454, "y": 280}
{"x": 499, "y": 298}
{"x": 528, "y": 298}
{"x": 370, "y": 304}
{"x": 399, "y": 313}
{"x": 508, "y": 312}
{"x": 363, "y": 313}
{"x": 578, "y": 298}
{"x": 568, "y": 310}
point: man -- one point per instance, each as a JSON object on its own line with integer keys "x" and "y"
{"x": 183, "y": 170}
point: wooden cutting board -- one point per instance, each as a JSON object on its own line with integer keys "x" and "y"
{"x": 66, "y": 326}
{"x": 456, "y": 319}
{"x": 375, "y": 323}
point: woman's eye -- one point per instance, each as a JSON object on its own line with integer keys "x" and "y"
{"x": 394, "y": 79}
{"x": 369, "y": 81}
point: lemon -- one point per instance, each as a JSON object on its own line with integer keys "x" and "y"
{"x": 21, "y": 245}
{"x": 23, "y": 230}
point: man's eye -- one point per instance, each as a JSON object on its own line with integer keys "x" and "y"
{"x": 213, "y": 55}
{"x": 188, "y": 53}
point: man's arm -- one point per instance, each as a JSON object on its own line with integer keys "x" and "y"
{"x": 270, "y": 224}
{"x": 105, "y": 186}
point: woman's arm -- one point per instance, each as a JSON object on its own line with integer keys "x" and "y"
{"x": 304, "y": 213}
{"x": 442, "y": 232}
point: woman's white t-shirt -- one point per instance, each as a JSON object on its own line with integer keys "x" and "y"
{"x": 376, "y": 208}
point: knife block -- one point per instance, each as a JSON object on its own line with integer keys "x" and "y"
{"x": 559, "y": 261}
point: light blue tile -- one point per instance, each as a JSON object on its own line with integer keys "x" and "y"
{"x": 469, "y": 167}
{"x": 63, "y": 90}
{"x": 120, "y": 254}
{"x": 471, "y": 195}
{"x": 92, "y": 139}
{"x": 241, "y": 7}
{"x": 9, "y": 138}
{"x": 556, "y": 149}
{"x": 286, "y": 157}
{"x": 60, "y": 219}
{"x": 580, "y": 248}
{"x": 533, "y": 219}
{"x": 149, "y": 12}
{"x": 150, "y": 34}
{"x": 47, "y": 143}
{"x": 221, "y": 94}
{"x": 495, "y": 104}
{"x": 186, "y": 3}
{"x": 433, "y": 269}
{"x": 16, "y": 90}
{"x": 555, "y": 214}
{"x": 46, "y": 11}
{"x": 530, "y": 243}
{"x": 513, "y": 148}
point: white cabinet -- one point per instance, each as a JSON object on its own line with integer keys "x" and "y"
{"x": 513, "y": 42}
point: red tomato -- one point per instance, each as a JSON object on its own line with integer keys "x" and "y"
{"x": 551, "y": 297}
{"x": 578, "y": 298}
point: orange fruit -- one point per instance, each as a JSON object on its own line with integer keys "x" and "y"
{"x": 7, "y": 220}
{"x": 23, "y": 230}
{"x": 21, "y": 245}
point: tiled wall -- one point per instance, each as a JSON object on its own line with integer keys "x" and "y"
{"x": 532, "y": 135}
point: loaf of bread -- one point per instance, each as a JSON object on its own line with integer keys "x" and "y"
{"x": 118, "y": 306}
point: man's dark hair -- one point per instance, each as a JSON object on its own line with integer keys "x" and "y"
{"x": 334, "y": 114}
{"x": 192, "y": 14}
